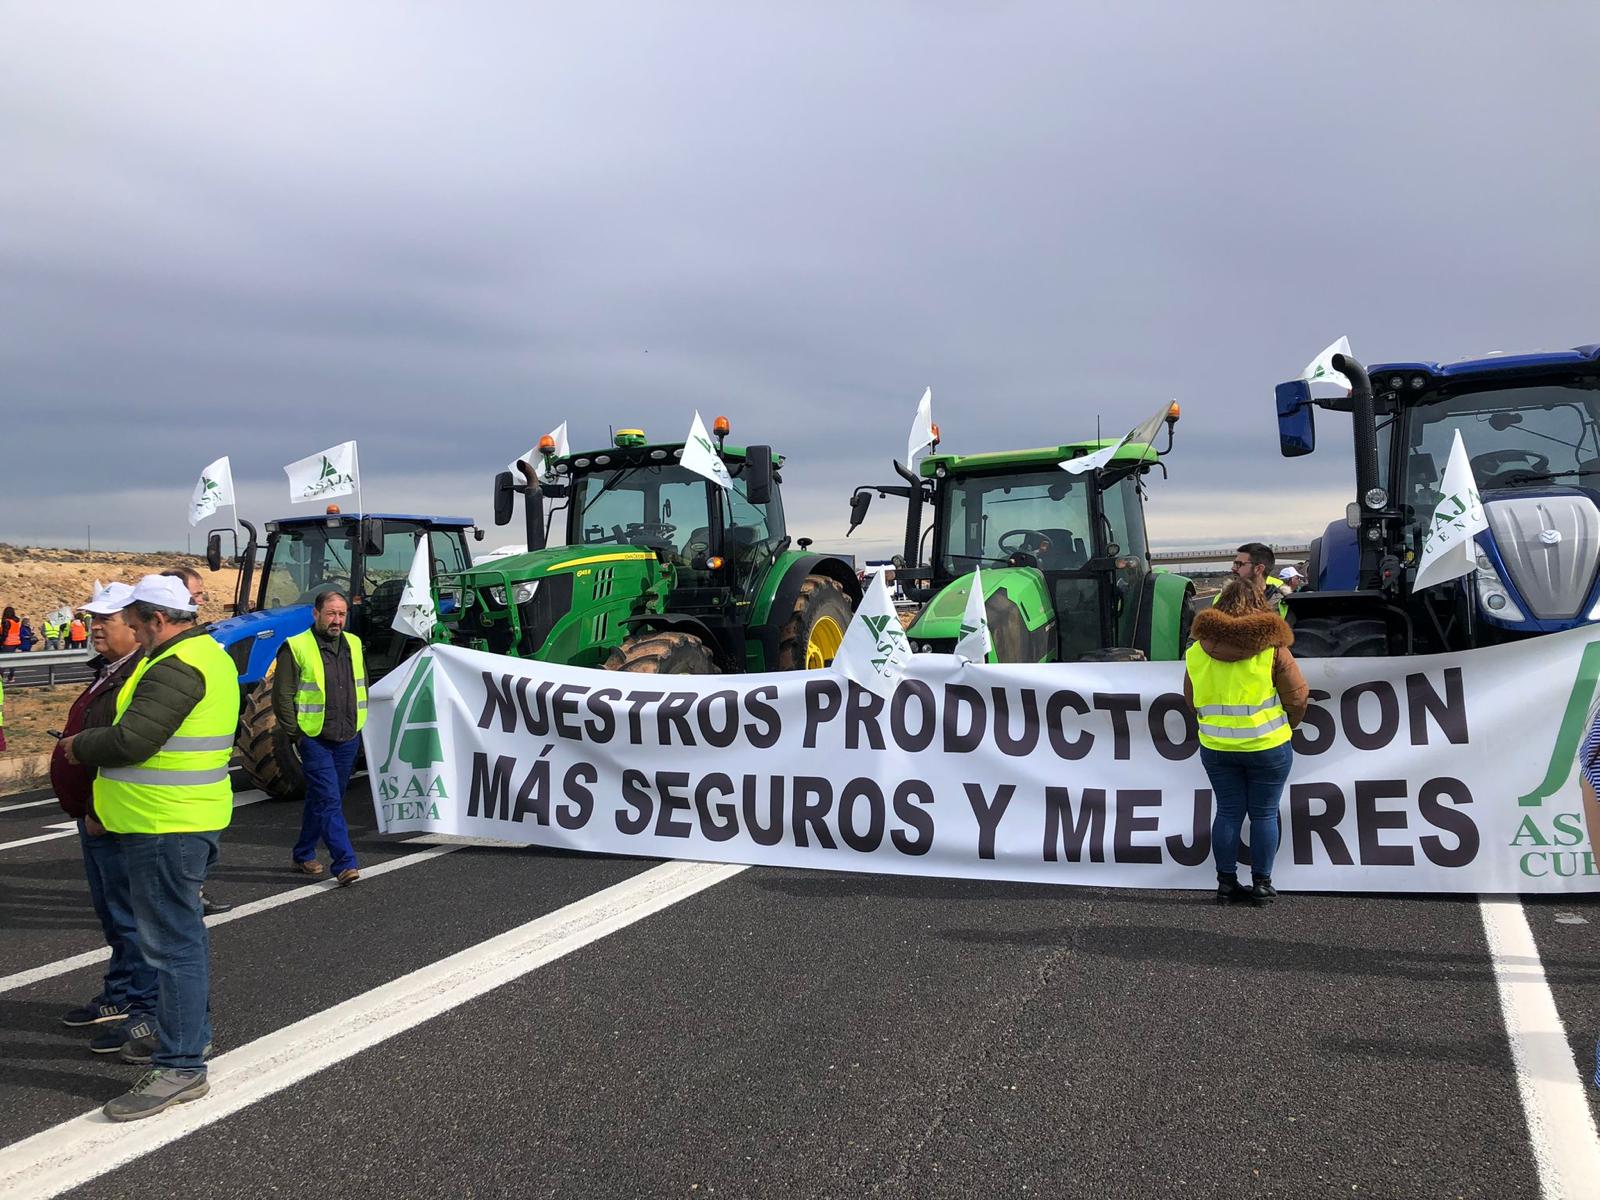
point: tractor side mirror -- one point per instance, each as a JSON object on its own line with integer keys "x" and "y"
{"x": 1297, "y": 429}
{"x": 505, "y": 498}
{"x": 374, "y": 539}
{"x": 477, "y": 534}
{"x": 758, "y": 474}
{"x": 859, "y": 503}
{"x": 214, "y": 552}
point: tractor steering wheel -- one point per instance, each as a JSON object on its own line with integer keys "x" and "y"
{"x": 649, "y": 532}
{"x": 1026, "y": 553}
{"x": 340, "y": 583}
{"x": 1493, "y": 461}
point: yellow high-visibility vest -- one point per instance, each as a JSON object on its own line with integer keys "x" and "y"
{"x": 311, "y": 699}
{"x": 183, "y": 787}
{"x": 1272, "y": 582}
{"x": 1236, "y": 704}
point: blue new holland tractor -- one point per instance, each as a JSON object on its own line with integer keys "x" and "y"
{"x": 1530, "y": 424}
{"x": 366, "y": 556}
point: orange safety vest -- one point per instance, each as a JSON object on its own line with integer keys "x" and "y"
{"x": 13, "y": 634}
{"x": 79, "y": 633}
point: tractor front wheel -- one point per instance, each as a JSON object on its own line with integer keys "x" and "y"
{"x": 271, "y": 762}
{"x": 1340, "y": 637}
{"x": 815, "y": 630}
{"x": 664, "y": 653}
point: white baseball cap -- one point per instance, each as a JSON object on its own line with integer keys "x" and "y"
{"x": 113, "y": 597}
{"x": 163, "y": 590}
{"x": 1290, "y": 573}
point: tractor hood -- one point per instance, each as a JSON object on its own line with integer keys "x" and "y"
{"x": 553, "y": 560}
{"x": 941, "y": 618}
{"x": 252, "y": 639}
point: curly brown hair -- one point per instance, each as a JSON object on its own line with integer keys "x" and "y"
{"x": 1240, "y": 597}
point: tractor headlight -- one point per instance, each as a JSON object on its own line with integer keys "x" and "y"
{"x": 1376, "y": 497}
{"x": 1492, "y": 593}
{"x": 521, "y": 593}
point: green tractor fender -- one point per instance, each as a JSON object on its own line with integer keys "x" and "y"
{"x": 776, "y": 594}
{"x": 1168, "y": 611}
{"x": 1017, "y": 604}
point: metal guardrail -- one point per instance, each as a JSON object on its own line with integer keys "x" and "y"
{"x": 45, "y": 668}
{"x": 1171, "y": 558}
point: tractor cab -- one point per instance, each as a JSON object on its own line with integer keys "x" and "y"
{"x": 1064, "y": 556}
{"x": 648, "y": 547}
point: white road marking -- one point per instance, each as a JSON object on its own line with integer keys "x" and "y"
{"x": 88, "y": 958}
{"x": 43, "y": 837}
{"x": 70, "y": 828}
{"x": 5, "y": 808}
{"x": 87, "y": 1146}
{"x": 1565, "y": 1145}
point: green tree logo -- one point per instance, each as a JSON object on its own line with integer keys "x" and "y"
{"x": 1574, "y": 722}
{"x": 414, "y": 732}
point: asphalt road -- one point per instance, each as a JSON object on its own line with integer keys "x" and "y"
{"x": 797, "y": 1034}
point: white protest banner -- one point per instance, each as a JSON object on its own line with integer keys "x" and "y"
{"x": 975, "y": 641}
{"x": 701, "y": 457}
{"x": 333, "y": 472}
{"x": 921, "y": 435}
{"x": 1320, "y": 369}
{"x": 538, "y": 461}
{"x": 1079, "y": 773}
{"x": 875, "y": 649}
{"x": 213, "y": 491}
{"x": 1141, "y": 434}
{"x": 415, "y": 616}
{"x": 1448, "y": 550}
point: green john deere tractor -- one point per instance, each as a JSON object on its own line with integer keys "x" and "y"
{"x": 662, "y": 571}
{"x": 1065, "y": 561}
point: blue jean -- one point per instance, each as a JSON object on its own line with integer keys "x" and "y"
{"x": 165, "y": 871}
{"x": 1246, "y": 781}
{"x": 130, "y": 979}
{"x": 327, "y": 769}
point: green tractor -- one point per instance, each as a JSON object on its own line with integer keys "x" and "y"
{"x": 663, "y": 570}
{"x": 1065, "y": 562}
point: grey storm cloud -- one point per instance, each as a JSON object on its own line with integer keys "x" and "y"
{"x": 260, "y": 230}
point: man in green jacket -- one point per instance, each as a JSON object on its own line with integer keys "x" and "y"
{"x": 162, "y": 786}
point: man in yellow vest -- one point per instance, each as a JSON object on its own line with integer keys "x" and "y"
{"x": 162, "y": 786}
{"x": 319, "y": 691}
{"x": 52, "y": 634}
{"x": 1254, "y": 562}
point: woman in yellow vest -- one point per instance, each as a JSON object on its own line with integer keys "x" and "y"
{"x": 1248, "y": 695}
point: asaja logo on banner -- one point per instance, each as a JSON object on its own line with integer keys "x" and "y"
{"x": 414, "y": 740}
{"x": 1549, "y": 840}
{"x": 886, "y": 643}
{"x": 329, "y": 479}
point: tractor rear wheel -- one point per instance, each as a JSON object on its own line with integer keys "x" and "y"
{"x": 663, "y": 653}
{"x": 815, "y": 630}
{"x": 271, "y": 762}
{"x": 1340, "y": 637}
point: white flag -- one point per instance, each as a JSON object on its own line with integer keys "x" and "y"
{"x": 921, "y": 436}
{"x": 214, "y": 490}
{"x": 875, "y": 650}
{"x": 975, "y": 643}
{"x": 1144, "y": 432}
{"x": 1447, "y": 546}
{"x": 538, "y": 461}
{"x": 331, "y": 473}
{"x": 416, "y": 617}
{"x": 1320, "y": 369}
{"x": 700, "y": 456}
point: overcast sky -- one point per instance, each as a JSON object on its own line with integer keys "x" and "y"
{"x": 261, "y": 229}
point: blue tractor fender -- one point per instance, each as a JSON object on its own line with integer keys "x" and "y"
{"x": 1340, "y": 567}
{"x": 252, "y": 640}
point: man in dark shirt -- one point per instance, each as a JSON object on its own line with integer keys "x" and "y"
{"x": 319, "y": 696}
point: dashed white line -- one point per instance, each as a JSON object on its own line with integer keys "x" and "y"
{"x": 1566, "y": 1148}
{"x": 70, "y": 1154}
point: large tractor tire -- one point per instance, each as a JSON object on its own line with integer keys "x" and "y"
{"x": 663, "y": 653}
{"x": 815, "y": 630}
{"x": 1340, "y": 637}
{"x": 271, "y": 762}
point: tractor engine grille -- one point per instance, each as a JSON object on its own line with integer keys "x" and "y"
{"x": 1550, "y": 545}
{"x": 551, "y": 602}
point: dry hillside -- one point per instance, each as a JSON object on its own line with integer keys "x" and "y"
{"x": 36, "y": 580}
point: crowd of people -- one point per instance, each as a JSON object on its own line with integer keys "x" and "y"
{"x": 19, "y": 635}
{"x": 142, "y": 766}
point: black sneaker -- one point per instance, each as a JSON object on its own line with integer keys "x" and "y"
{"x": 1262, "y": 891}
{"x": 141, "y": 1050}
{"x": 114, "y": 1037}
{"x": 212, "y": 907}
{"x": 157, "y": 1091}
{"x": 94, "y": 1013}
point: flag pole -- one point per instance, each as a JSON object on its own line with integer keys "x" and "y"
{"x": 355, "y": 455}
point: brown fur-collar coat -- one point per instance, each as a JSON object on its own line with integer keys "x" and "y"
{"x": 1232, "y": 639}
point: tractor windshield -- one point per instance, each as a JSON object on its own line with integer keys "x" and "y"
{"x": 302, "y": 560}
{"x": 988, "y": 518}
{"x": 1515, "y": 437}
{"x": 667, "y": 507}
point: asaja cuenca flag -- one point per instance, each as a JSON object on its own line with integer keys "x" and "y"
{"x": 1447, "y": 546}
{"x": 319, "y": 476}
{"x": 1320, "y": 369}
{"x": 701, "y": 457}
{"x": 416, "y": 616}
{"x": 214, "y": 489}
{"x": 558, "y": 435}
{"x": 875, "y": 650}
{"x": 1142, "y": 433}
{"x": 921, "y": 435}
{"x": 975, "y": 643}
